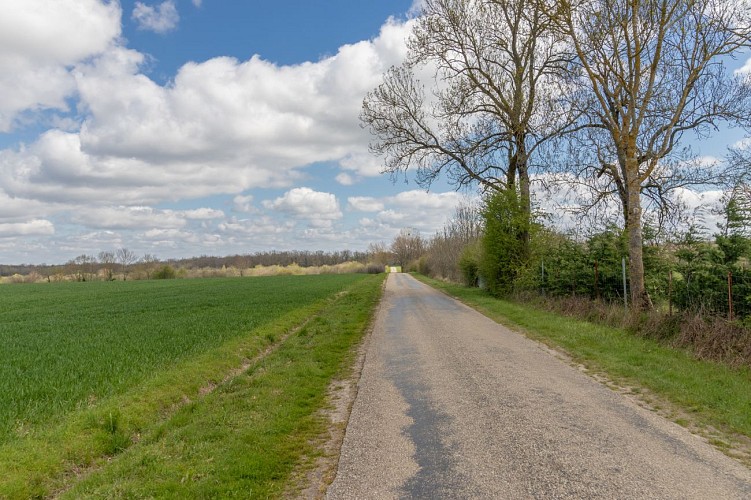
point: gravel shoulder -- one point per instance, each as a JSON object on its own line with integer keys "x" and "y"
{"x": 452, "y": 405}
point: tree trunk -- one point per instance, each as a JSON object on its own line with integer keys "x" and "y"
{"x": 525, "y": 204}
{"x": 639, "y": 297}
{"x": 520, "y": 164}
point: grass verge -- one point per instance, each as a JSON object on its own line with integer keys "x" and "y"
{"x": 191, "y": 411}
{"x": 710, "y": 398}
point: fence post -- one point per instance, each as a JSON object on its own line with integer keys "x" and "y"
{"x": 542, "y": 280}
{"x": 625, "y": 297}
{"x": 670, "y": 292}
{"x": 730, "y": 295}
{"x": 597, "y": 290}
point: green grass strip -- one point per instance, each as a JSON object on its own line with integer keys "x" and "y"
{"x": 245, "y": 439}
{"x": 707, "y": 393}
{"x": 48, "y": 460}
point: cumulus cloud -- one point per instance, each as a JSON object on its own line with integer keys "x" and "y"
{"x": 243, "y": 204}
{"x": 39, "y": 41}
{"x": 424, "y": 211}
{"x": 129, "y": 218}
{"x": 36, "y": 227}
{"x": 161, "y": 18}
{"x": 363, "y": 164}
{"x": 220, "y": 127}
{"x": 344, "y": 179}
{"x": 15, "y": 209}
{"x": 365, "y": 203}
{"x": 277, "y": 117}
{"x": 143, "y": 217}
{"x": 257, "y": 226}
{"x": 416, "y": 7}
{"x": 745, "y": 69}
{"x": 319, "y": 209}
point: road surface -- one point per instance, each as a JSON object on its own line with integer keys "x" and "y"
{"x": 452, "y": 405}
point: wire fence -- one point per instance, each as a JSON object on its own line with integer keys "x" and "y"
{"x": 711, "y": 290}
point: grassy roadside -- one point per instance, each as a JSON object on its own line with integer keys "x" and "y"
{"x": 710, "y": 398}
{"x": 245, "y": 438}
{"x": 191, "y": 411}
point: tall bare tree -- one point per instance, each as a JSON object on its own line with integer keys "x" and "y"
{"x": 107, "y": 260}
{"x": 149, "y": 262}
{"x": 445, "y": 249}
{"x": 407, "y": 247}
{"x": 126, "y": 257}
{"x": 492, "y": 68}
{"x": 654, "y": 71}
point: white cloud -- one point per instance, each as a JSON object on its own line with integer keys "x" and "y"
{"x": 220, "y": 127}
{"x": 243, "y": 204}
{"x": 257, "y": 226}
{"x": 425, "y": 211}
{"x": 143, "y": 218}
{"x": 424, "y": 200}
{"x": 197, "y": 3}
{"x": 130, "y": 218}
{"x": 159, "y": 19}
{"x": 744, "y": 143}
{"x": 203, "y": 214}
{"x": 319, "y": 209}
{"x": 416, "y": 7}
{"x": 365, "y": 203}
{"x": 344, "y": 179}
{"x": 39, "y": 41}
{"x": 363, "y": 163}
{"x": 36, "y": 227}
{"x": 16, "y": 209}
{"x": 745, "y": 69}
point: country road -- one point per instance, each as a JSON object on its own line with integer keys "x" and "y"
{"x": 452, "y": 405}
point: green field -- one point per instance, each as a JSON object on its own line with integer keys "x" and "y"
{"x": 89, "y": 369}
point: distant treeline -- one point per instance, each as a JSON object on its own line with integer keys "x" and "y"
{"x": 274, "y": 258}
{"x": 303, "y": 258}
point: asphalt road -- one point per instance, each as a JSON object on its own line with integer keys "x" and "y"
{"x": 452, "y": 405}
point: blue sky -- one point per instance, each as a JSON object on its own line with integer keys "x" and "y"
{"x": 189, "y": 127}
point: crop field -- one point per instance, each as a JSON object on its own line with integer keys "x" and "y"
{"x": 71, "y": 344}
{"x": 95, "y": 376}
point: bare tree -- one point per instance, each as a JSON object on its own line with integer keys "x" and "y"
{"x": 126, "y": 257}
{"x": 107, "y": 259}
{"x": 445, "y": 248}
{"x": 149, "y": 262}
{"x": 653, "y": 71}
{"x": 492, "y": 101}
{"x": 407, "y": 247}
{"x": 82, "y": 266}
{"x": 379, "y": 254}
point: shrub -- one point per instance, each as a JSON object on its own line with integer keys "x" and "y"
{"x": 374, "y": 268}
{"x": 165, "y": 272}
{"x": 469, "y": 264}
{"x": 505, "y": 251}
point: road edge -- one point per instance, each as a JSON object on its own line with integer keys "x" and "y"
{"x": 313, "y": 483}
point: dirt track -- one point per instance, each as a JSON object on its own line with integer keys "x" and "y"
{"x": 453, "y": 405}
